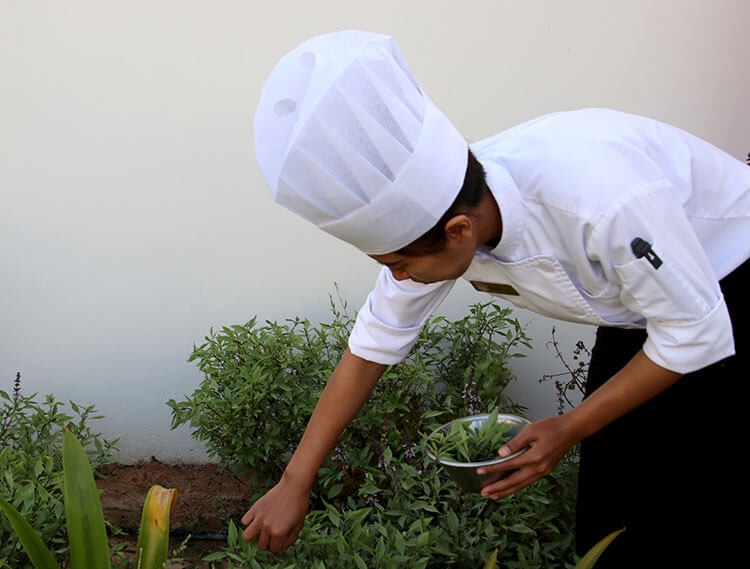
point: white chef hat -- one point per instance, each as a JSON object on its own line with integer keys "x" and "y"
{"x": 346, "y": 139}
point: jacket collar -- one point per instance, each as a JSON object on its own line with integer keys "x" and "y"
{"x": 510, "y": 203}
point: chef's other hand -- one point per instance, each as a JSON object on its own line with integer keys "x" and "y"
{"x": 548, "y": 441}
{"x": 274, "y": 521}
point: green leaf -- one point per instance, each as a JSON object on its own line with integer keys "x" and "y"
{"x": 398, "y": 541}
{"x": 232, "y": 533}
{"x": 87, "y": 535}
{"x": 452, "y": 520}
{"x": 521, "y": 528}
{"x": 333, "y": 515}
{"x": 359, "y": 561}
{"x": 335, "y": 490}
{"x": 356, "y": 518}
{"x": 380, "y": 549}
{"x": 40, "y": 556}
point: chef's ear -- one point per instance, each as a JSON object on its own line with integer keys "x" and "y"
{"x": 460, "y": 227}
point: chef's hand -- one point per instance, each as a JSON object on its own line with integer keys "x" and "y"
{"x": 274, "y": 521}
{"x": 548, "y": 441}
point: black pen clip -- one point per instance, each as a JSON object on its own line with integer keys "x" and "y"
{"x": 642, "y": 248}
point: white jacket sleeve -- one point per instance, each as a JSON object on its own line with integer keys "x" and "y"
{"x": 389, "y": 323}
{"x": 673, "y": 287}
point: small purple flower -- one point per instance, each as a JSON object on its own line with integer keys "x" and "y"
{"x": 385, "y": 464}
{"x": 410, "y": 452}
{"x": 340, "y": 454}
{"x": 471, "y": 398}
{"x": 17, "y": 386}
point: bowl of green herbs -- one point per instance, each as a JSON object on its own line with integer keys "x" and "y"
{"x": 463, "y": 445}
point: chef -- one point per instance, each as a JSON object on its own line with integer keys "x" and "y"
{"x": 591, "y": 216}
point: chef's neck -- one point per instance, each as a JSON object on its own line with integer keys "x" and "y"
{"x": 489, "y": 220}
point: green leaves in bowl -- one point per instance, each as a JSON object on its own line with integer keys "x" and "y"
{"x": 463, "y": 443}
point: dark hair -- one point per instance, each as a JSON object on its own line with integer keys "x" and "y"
{"x": 468, "y": 197}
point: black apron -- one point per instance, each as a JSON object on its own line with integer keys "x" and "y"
{"x": 672, "y": 472}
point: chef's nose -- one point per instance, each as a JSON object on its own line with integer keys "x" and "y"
{"x": 400, "y": 274}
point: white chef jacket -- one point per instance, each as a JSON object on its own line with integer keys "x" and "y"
{"x": 574, "y": 190}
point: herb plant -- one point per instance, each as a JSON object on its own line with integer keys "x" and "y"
{"x": 377, "y": 501}
{"x": 31, "y": 480}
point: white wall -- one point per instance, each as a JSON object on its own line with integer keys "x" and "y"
{"x": 133, "y": 215}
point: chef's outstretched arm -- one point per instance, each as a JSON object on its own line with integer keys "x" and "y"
{"x": 549, "y": 439}
{"x": 277, "y": 517}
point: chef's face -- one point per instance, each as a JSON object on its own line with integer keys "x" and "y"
{"x": 449, "y": 263}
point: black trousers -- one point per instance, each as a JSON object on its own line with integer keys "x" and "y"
{"x": 671, "y": 472}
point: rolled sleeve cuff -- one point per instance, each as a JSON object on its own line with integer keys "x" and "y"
{"x": 389, "y": 323}
{"x": 686, "y": 346}
{"x": 375, "y": 341}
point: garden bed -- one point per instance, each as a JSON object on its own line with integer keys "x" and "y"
{"x": 207, "y": 498}
{"x": 378, "y": 501}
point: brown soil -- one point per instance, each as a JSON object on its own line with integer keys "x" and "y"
{"x": 207, "y": 498}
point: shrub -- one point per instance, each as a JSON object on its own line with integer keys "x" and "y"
{"x": 377, "y": 501}
{"x": 31, "y": 464}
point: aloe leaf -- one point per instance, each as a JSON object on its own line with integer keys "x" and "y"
{"x": 492, "y": 561}
{"x": 87, "y": 535}
{"x": 153, "y": 538}
{"x": 593, "y": 554}
{"x": 40, "y": 556}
